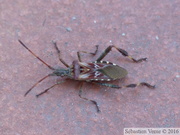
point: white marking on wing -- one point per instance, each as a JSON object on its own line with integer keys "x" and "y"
{"x": 84, "y": 76}
{"x": 96, "y": 66}
{"x": 97, "y": 74}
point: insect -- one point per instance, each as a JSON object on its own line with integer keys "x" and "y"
{"x": 97, "y": 72}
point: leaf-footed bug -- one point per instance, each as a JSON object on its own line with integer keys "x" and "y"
{"x": 95, "y": 72}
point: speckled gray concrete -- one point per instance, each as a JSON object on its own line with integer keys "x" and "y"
{"x": 145, "y": 29}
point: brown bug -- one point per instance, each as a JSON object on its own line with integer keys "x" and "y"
{"x": 94, "y": 72}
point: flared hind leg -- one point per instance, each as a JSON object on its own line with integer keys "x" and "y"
{"x": 93, "y": 101}
{"x": 122, "y": 51}
{"x": 94, "y": 53}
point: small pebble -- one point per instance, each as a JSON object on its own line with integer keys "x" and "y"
{"x": 123, "y": 34}
{"x": 157, "y": 37}
{"x": 68, "y": 29}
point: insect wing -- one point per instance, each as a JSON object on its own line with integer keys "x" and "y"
{"x": 113, "y": 72}
{"x": 97, "y": 71}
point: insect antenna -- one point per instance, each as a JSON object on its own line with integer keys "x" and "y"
{"x": 37, "y": 84}
{"x": 36, "y": 55}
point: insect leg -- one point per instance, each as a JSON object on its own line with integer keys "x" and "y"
{"x": 122, "y": 51}
{"x": 58, "y": 51}
{"x": 126, "y": 86}
{"x": 108, "y": 85}
{"x": 94, "y": 102}
{"x": 46, "y": 90}
{"x": 94, "y": 53}
{"x": 138, "y": 84}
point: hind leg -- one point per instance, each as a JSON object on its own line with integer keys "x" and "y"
{"x": 122, "y": 51}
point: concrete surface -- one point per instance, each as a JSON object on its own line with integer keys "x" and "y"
{"x": 143, "y": 28}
